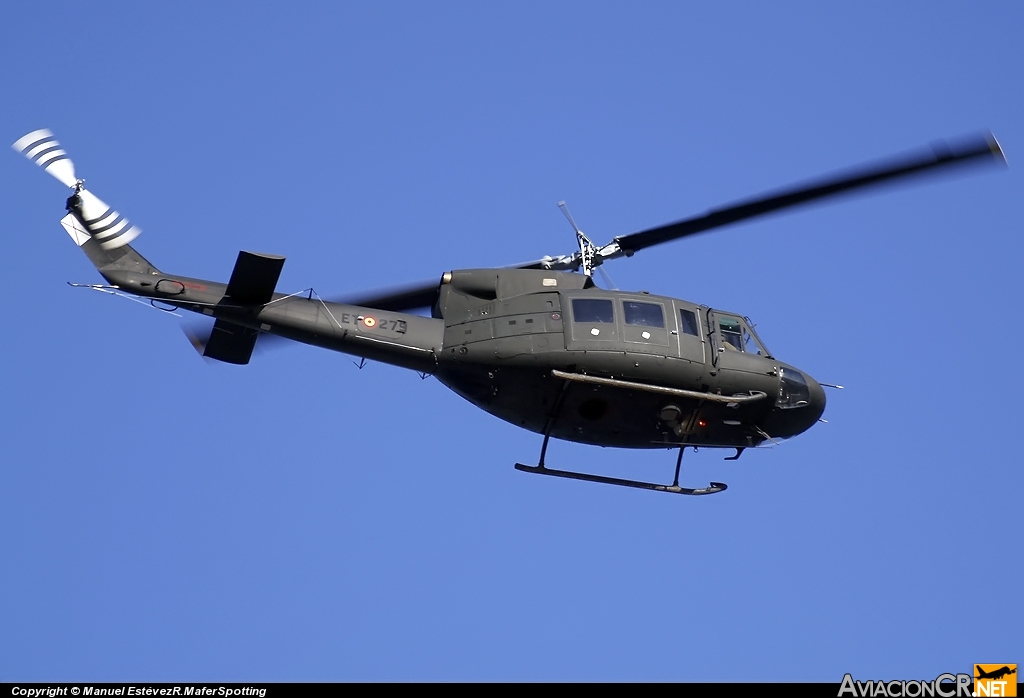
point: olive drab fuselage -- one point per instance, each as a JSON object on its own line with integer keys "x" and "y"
{"x": 507, "y": 330}
{"x": 544, "y": 350}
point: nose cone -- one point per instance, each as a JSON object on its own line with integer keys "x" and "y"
{"x": 800, "y": 404}
{"x": 816, "y": 406}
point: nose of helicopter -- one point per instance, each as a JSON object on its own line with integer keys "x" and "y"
{"x": 799, "y": 406}
{"x": 816, "y": 406}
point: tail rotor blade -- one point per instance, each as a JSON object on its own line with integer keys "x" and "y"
{"x": 104, "y": 225}
{"x": 44, "y": 150}
{"x": 108, "y": 227}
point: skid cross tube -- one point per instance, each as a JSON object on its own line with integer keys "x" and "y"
{"x": 541, "y": 469}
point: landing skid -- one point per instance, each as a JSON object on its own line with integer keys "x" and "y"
{"x": 674, "y": 488}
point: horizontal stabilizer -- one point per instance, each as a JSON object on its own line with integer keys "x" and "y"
{"x": 254, "y": 278}
{"x": 231, "y": 343}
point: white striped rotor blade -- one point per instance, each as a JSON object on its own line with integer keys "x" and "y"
{"x": 106, "y": 226}
{"x": 43, "y": 149}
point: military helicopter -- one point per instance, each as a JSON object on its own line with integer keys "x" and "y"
{"x": 539, "y": 344}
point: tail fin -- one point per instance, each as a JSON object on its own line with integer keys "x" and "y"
{"x": 105, "y": 258}
{"x": 123, "y": 258}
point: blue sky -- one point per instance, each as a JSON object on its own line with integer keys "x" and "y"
{"x": 299, "y": 519}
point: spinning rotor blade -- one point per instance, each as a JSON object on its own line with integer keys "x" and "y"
{"x": 565, "y": 262}
{"x": 423, "y": 295}
{"x": 398, "y": 299}
{"x": 198, "y": 333}
{"x": 979, "y": 149}
{"x": 43, "y": 149}
{"x": 108, "y": 227}
{"x": 102, "y": 223}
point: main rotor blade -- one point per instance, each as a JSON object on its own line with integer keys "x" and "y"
{"x": 398, "y": 299}
{"x": 424, "y": 295}
{"x": 569, "y": 261}
{"x": 977, "y": 149}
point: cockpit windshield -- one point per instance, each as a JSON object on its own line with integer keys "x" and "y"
{"x": 737, "y": 336}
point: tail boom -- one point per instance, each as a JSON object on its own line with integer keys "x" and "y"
{"x": 400, "y": 339}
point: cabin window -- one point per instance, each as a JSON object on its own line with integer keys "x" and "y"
{"x": 688, "y": 321}
{"x": 646, "y": 314}
{"x": 592, "y": 310}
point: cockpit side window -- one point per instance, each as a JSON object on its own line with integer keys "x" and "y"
{"x": 750, "y": 344}
{"x": 592, "y": 310}
{"x": 646, "y": 314}
{"x": 737, "y": 336}
{"x": 732, "y": 333}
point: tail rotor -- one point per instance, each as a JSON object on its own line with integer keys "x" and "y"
{"x": 89, "y": 217}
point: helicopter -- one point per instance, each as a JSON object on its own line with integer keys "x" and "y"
{"x": 537, "y": 344}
